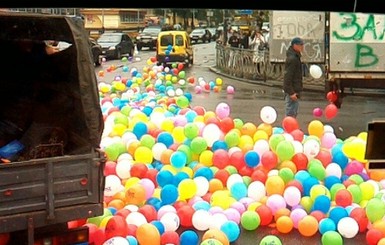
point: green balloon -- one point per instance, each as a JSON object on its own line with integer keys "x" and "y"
{"x": 96, "y": 220}
{"x": 114, "y": 150}
{"x": 182, "y": 101}
{"x": 355, "y": 190}
{"x": 286, "y": 174}
{"x": 231, "y": 169}
{"x": 333, "y": 190}
{"x": 211, "y": 241}
{"x": 121, "y": 118}
{"x": 250, "y": 220}
{"x": 232, "y": 139}
{"x": 285, "y": 150}
{"x": 238, "y": 123}
{"x": 332, "y": 238}
{"x": 270, "y": 240}
{"x": 147, "y": 141}
{"x": 191, "y": 130}
{"x": 274, "y": 140}
{"x": 182, "y": 74}
{"x": 186, "y": 150}
{"x": 317, "y": 170}
{"x": 198, "y": 145}
{"x": 126, "y": 110}
{"x": 375, "y": 209}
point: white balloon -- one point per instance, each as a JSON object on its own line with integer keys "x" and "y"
{"x": 116, "y": 240}
{"x": 315, "y": 71}
{"x": 268, "y": 114}
{"x": 348, "y": 227}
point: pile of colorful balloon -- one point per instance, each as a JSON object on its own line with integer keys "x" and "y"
{"x": 175, "y": 171}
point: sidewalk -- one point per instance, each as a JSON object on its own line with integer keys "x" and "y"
{"x": 307, "y": 86}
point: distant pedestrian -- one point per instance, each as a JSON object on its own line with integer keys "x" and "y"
{"x": 292, "y": 80}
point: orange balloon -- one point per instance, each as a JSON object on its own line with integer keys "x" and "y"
{"x": 216, "y": 234}
{"x": 165, "y": 156}
{"x": 284, "y": 224}
{"x": 281, "y": 212}
{"x": 308, "y": 226}
{"x": 117, "y": 204}
{"x": 136, "y": 195}
{"x": 248, "y": 129}
{"x": 148, "y": 234}
{"x": 289, "y": 124}
{"x": 288, "y": 164}
{"x": 215, "y": 185}
{"x": 274, "y": 185}
{"x": 268, "y": 128}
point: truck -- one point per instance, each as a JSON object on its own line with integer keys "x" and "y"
{"x": 51, "y": 165}
{"x": 347, "y": 46}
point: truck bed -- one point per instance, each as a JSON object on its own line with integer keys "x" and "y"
{"x": 47, "y": 191}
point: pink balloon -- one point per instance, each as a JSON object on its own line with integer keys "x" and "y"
{"x": 222, "y": 110}
{"x": 230, "y": 89}
{"x": 317, "y": 112}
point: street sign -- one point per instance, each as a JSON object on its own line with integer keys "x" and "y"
{"x": 245, "y": 11}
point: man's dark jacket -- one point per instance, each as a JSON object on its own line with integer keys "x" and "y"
{"x": 292, "y": 80}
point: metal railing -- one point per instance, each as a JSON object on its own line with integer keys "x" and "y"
{"x": 254, "y": 65}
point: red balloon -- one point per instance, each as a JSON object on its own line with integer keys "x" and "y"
{"x": 265, "y": 214}
{"x": 138, "y": 170}
{"x": 199, "y": 110}
{"x": 221, "y": 158}
{"x": 222, "y": 175}
{"x": 343, "y": 198}
{"x": 297, "y": 134}
{"x": 180, "y": 66}
{"x": 359, "y": 215}
{"x": 116, "y": 226}
{"x": 325, "y": 157}
{"x": 258, "y": 175}
{"x": 185, "y": 215}
{"x": 373, "y": 236}
{"x": 269, "y": 160}
{"x": 169, "y": 237}
{"x": 237, "y": 159}
{"x": 149, "y": 212}
{"x": 331, "y": 96}
{"x": 300, "y": 160}
{"x": 226, "y": 124}
{"x": 289, "y": 124}
{"x": 331, "y": 111}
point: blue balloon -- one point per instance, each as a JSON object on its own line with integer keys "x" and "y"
{"x": 140, "y": 129}
{"x": 308, "y": 184}
{"x": 169, "y": 194}
{"x": 341, "y": 159}
{"x": 132, "y": 240}
{"x": 329, "y": 181}
{"x": 326, "y": 224}
{"x": 231, "y": 229}
{"x": 159, "y": 225}
{"x": 337, "y": 213}
{"x": 189, "y": 237}
{"x": 155, "y": 202}
{"x": 238, "y": 190}
{"x": 205, "y": 172}
{"x": 219, "y": 144}
{"x": 178, "y": 159}
{"x": 251, "y": 159}
{"x": 164, "y": 177}
{"x": 179, "y": 177}
{"x": 322, "y": 203}
{"x": 201, "y": 205}
{"x": 166, "y": 138}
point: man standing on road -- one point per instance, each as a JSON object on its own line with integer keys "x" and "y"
{"x": 292, "y": 80}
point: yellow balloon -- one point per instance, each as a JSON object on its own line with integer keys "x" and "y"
{"x": 316, "y": 128}
{"x": 143, "y": 155}
{"x": 260, "y": 134}
{"x": 367, "y": 191}
{"x": 206, "y": 158}
{"x": 167, "y": 125}
{"x": 130, "y": 182}
{"x": 245, "y": 140}
{"x": 252, "y": 206}
{"x": 219, "y": 81}
{"x": 178, "y": 134}
{"x": 187, "y": 188}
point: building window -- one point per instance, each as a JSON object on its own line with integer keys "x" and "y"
{"x": 131, "y": 17}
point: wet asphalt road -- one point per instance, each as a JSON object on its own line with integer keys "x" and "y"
{"x": 247, "y": 101}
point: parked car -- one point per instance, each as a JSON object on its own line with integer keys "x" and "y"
{"x": 174, "y": 46}
{"x": 116, "y": 44}
{"x": 200, "y": 34}
{"x": 214, "y": 33}
{"x": 96, "y": 50}
{"x": 148, "y": 37}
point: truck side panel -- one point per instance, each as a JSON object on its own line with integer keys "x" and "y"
{"x": 50, "y": 190}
